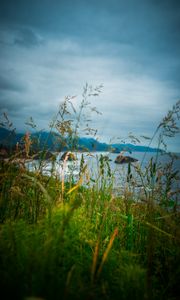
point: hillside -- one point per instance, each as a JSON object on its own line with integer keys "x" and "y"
{"x": 55, "y": 142}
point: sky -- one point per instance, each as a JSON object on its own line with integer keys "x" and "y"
{"x": 50, "y": 49}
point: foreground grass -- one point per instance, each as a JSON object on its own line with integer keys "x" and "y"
{"x": 60, "y": 241}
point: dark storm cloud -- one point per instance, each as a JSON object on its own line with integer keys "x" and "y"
{"x": 12, "y": 104}
{"x": 11, "y": 84}
{"x": 153, "y": 25}
{"x": 27, "y": 38}
{"x": 149, "y": 29}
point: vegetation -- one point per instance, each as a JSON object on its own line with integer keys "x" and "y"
{"x": 81, "y": 239}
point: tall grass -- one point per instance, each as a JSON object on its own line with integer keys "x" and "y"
{"x": 80, "y": 240}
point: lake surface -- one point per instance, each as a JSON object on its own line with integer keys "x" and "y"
{"x": 70, "y": 169}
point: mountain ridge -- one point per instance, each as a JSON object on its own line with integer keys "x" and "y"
{"x": 54, "y": 142}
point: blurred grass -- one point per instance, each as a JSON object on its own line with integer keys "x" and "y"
{"x": 90, "y": 245}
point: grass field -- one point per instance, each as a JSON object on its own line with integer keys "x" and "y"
{"x": 75, "y": 240}
{"x": 60, "y": 240}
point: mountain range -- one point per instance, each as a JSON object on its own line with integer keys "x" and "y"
{"x": 54, "y": 142}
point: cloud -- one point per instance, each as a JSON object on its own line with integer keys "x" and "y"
{"x": 13, "y": 105}
{"x": 11, "y": 84}
{"x": 49, "y": 51}
{"x": 27, "y": 38}
{"x": 130, "y": 96}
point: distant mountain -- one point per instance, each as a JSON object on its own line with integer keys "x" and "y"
{"x": 8, "y": 137}
{"x": 54, "y": 142}
{"x": 40, "y": 139}
{"x": 92, "y": 144}
{"x": 133, "y": 148}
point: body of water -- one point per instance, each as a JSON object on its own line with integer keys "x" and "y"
{"x": 71, "y": 169}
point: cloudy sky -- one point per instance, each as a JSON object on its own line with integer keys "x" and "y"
{"x": 49, "y": 49}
